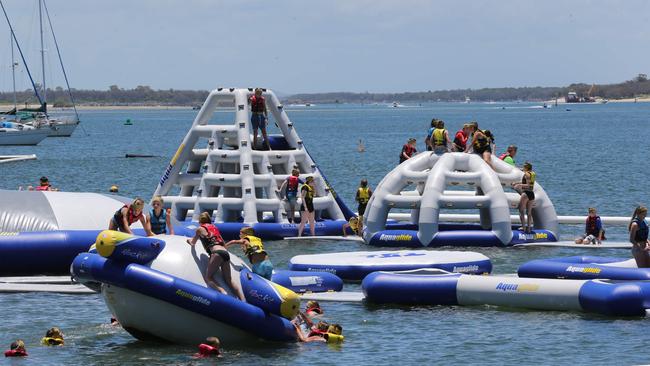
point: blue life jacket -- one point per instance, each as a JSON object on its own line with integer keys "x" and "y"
{"x": 158, "y": 223}
{"x": 642, "y": 231}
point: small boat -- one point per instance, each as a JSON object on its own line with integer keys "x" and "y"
{"x": 12, "y": 133}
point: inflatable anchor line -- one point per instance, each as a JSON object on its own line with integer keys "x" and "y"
{"x": 88, "y": 267}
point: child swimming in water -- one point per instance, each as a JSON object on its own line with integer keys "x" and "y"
{"x": 17, "y": 349}
{"x": 211, "y": 348}
{"x": 53, "y": 337}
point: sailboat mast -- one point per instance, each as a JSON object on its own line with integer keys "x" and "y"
{"x": 40, "y": 19}
{"x": 13, "y": 71}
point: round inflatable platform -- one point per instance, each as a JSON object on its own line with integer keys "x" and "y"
{"x": 354, "y": 266}
{"x": 584, "y": 268}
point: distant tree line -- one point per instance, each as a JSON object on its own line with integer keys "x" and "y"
{"x": 141, "y": 95}
{"x": 144, "y": 95}
{"x": 638, "y": 86}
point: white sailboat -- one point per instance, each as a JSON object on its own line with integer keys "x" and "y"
{"x": 60, "y": 126}
{"x": 13, "y": 133}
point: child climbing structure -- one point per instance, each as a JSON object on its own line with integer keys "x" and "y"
{"x": 217, "y": 169}
{"x": 436, "y": 183}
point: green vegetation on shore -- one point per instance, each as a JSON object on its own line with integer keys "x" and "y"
{"x": 145, "y": 96}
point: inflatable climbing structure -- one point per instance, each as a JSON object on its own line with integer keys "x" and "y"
{"x": 428, "y": 184}
{"x": 217, "y": 169}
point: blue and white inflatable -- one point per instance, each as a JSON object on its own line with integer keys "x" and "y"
{"x": 167, "y": 298}
{"x": 428, "y": 184}
{"x": 354, "y": 266}
{"x": 584, "y": 267}
{"x": 301, "y": 282}
{"x": 430, "y": 287}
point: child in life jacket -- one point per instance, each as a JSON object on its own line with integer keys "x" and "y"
{"x": 17, "y": 349}
{"x": 408, "y": 150}
{"x": 43, "y": 186}
{"x": 127, "y": 215}
{"x": 53, "y": 337}
{"x": 215, "y": 247}
{"x": 211, "y": 348}
{"x": 313, "y": 309}
{"x": 289, "y": 189}
{"x": 362, "y": 197}
{"x": 159, "y": 218}
{"x": 253, "y": 248}
{"x": 594, "y": 232}
{"x": 353, "y": 224}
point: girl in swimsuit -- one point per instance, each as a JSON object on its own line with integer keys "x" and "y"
{"x": 639, "y": 237}
{"x": 219, "y": 257}
{"x": 307, "y": 208}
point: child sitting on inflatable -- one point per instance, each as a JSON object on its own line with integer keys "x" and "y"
{"x": 594, "y": 232}
{"x": 353, "y": 224}
{"x": 219, "y": 257}
{"x": 211, "y": 348}
{"x": 17, "y": 349}
{"x": 127, "y": 215}
{"x": 253, "y": 248}
{"x": 53, "y": 337}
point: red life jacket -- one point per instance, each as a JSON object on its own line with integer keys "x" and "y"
{"x": 206, "y": 350}
{"x": 409, "y": 150}
{"x": 503, "y": 156}
{"x": 315, "y": 309}
{"x": 16, "y": 353}
{"x": 590, "y": 226}
{"x": 43, "y": 188}
{"x": 213, "y": 238}
{"x": 131, "y": 217}
{"x": 257, "y": 104}
{"x": 292, "y": 184}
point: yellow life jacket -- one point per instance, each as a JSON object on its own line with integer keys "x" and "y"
{"x": 364, "y": 194}
{"x": 334, "y": 338}
{"x": 439, "y": 137}
{"x": 481, "y": 141}
{"x": 310, "y": 192}
{"x": 49, "y": 341}
{"x": 533, "y": 176}
{"x": 254, "y": 246}
{"x": 354, "y": 224}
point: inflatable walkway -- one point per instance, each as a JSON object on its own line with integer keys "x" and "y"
{"x": 428, "y": 184}
{"x": 217, "y": 169}
{"x": 435, "y": 287}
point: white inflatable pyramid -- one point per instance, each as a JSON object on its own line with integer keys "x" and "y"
{"x": 437, "y": 183}
{"x": 216, "y": 168}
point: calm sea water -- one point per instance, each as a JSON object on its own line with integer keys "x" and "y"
{"x": 593, "y": 155}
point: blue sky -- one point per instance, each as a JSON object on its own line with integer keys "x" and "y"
{"x": 317, "y": 46}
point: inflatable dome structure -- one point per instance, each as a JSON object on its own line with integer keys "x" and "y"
{"x": 427, "y": 184}
{"x": 217, "y": 169}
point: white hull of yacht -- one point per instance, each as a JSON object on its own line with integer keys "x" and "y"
{"x": 10, "y": 136}
{"x": 62, "y": 129}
